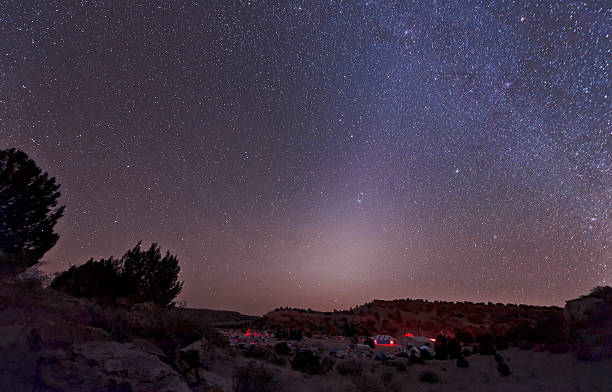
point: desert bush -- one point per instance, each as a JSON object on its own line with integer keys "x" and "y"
{"x": 172, "y": 330}
{"x": 277, "y": 360}
{"x": 252, "y": 378}
{"x": 400, "y": 366}
{"x": 308, "y": 362}
{"x": 350, "y": 367}
{"x": 413, "y": 359}
{"x": 441, "y": 348}
{"x": 167, "y": 328}
{"x": 503, "y": 369}
{"x": 589, "y": 352}
{"x": 282, "y": 348}
{"x": 256, "y": 351}
{"x": 369, "y": 342}
{"x": 425, "y": 355}
{"x": 486, "y": 344}
{"x": 387, "y": 377}
{"x": 454, "y": 348}
{"x": 462, "y": 362}
{"x": 501, "y": 343}
{"x": 464, "y": 336}
{"x": 368, "y": 384}
{"x": 429, "y": 377}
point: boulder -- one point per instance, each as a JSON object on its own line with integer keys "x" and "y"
{"x": 107, "y": 365}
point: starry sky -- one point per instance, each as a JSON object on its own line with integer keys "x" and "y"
{"x": 324, "y": 153}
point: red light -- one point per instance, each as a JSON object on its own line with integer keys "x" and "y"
{"x": 408, "y": 334}
{"x": 433, "y": 340}
{"x": 392, "y": 342}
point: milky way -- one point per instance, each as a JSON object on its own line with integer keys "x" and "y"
{"x": 324, "y": 153}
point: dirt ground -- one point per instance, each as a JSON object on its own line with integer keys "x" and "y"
{"x": 529, "y": 371}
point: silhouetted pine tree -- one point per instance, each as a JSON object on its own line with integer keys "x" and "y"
{"x": 28, "y": 213}
{"x": 153, "y": 277}
{"x": 95, "y": 279}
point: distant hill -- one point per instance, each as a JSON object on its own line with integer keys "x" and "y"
{"x": 218, "y": 318}
{"x": 421, "y": 317}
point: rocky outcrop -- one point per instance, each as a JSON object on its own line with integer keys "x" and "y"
{"x": 588, "y": 325}
{"x": 107, "y": 365}
{"x": 52, "y": 342}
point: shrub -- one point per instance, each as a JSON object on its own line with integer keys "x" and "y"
{"x": 368, "y": 384}
{"x": 253, "y": 378}
{"x": 386, "y": 377}
{"x": 501, "y": 343}
{"x": 503, "y": 369}
{"x": 400, "y": 366}
{"x": 257, "y": 352}
{"x": 486, "y": 346}
{"x": 429, "y": 376}
{"x": 462, "y": 362}
{"x": 425, "y": 355}
{"x": 308, "y": 362}
{"x": 282, "y": 348}
{"x": 172, "y": 330}
{"x": 441, "y": 348}
{"x": 350, "y": 367}
{"x": 413, "y": 359}
{"x": 464, "y": 336}
{"x": 369, "y": 342}
{"x": 454, "y": 349}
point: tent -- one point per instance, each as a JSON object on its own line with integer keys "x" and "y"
{"x": 385, "y": 340}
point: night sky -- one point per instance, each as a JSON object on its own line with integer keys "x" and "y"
{"x": 324, "y": 153}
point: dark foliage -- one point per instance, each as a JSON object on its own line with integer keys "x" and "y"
{"x": 503, "y": 369}
{"x": 429, "y": 376}
{"x": 603, "y": 292}
{"x": 94, "y": 279}
{"x": 462, "y": 362}
{"x": 400, "y": 366}
{"x": 282, "y": 348}
{"x": 369, "y": 342}
{"x": 441, "y": 347}
{"x": 28, "y": 212}
{"x": 349, "y": 330}
{"x": 290, "y": 334}
{"x": 486, "y": 345}
{"x": 454, "y": 348}
{"x": 413, "y": 359}
{"x": 141, "y": 276}
{"x": 425, "y": 355}
{"x": 253, "y": 378}
{"x": 153, "y": 278}
{"x": 464, "y": 336}
{"x": 350, "y": 367}
{"x": 308, "y": 362}
{"x": 501, "y": 343}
